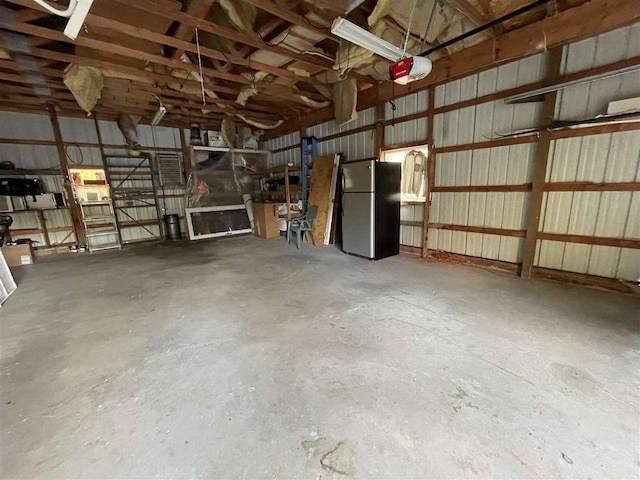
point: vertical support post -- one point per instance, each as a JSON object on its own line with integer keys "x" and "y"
{"x": 430, "y": 171}
{"x": 287, "y": 193}
{"x": 107, "y": 173}
{"x": 540, "y": 170}
{"x": 379, "y": 128}
{"x": 43, "y": 226}
{"x": 309, "y": 148}
{"x": 187, "y": 162}
{"x": 76, "y": 216}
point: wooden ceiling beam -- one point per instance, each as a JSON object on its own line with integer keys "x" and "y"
{"x": 206, "y": 52}
{"x": 29, "y": 90}
{"x": 67, "y": 58}
{"x": 182, "y": 45}
{"x": 163, "y": 79}
{"x": 167, "y": 92}
{"x": 469, "y": 11}
{"x": 11, "y": 77}
{"x": 113, "y": 49}
{"x": 263, "y": 97}
{"x": 138, "y": 55}
{"x": 29, "y": 15}
{"x": 197, "y": 8}
{"x": 20, "y": 107}
{"x": 112, "y": 103}
{"x": 291, "y": 17}
{"x": 215, "y": 29}
{"x": 211, "y": 107}
{"x": 147, "y": 96}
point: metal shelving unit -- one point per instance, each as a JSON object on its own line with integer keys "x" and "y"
{"x": 133, "y": 186}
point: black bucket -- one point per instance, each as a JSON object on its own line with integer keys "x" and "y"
{"x": 172, "y": 227}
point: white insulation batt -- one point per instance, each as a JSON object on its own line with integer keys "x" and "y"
{"x": 345, "y": 98}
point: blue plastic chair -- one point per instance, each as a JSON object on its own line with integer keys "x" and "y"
{"x": 303, "y": 225}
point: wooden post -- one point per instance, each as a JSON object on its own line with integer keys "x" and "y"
{"x": 103, "y": 155}
{"x": 430, "y": 171}
{"x": 540, "y": 169}
{"x": 76, "y": 215}
{"x": 43, "y": 226}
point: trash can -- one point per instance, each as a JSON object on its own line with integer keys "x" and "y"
{"x": 172, "y": 227}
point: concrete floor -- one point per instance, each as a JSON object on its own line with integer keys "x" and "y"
{"x": 245, "y": 358}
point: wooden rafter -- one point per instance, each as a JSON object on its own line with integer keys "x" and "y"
{"x": 469, "y": 11}
{"x": 197, "y": 8}
{"x": 291, "y": 17}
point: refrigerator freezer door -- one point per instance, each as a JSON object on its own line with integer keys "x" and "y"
{"x": 358, "y": 177}
{"x": 358, "y": 224}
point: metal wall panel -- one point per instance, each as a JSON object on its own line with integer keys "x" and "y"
{"x": 515, "y": 74}
{"x": 410, "y": 235}
{"x": 30, "y": 156}
{"x": 111, "y": 134}
{"x": 408, "y": 105}
{"x": 413, "y": 131}
{"x": 591, "y": 99}
{"x": 78, "y": 129}
{"x": 288, "y": 156}
{"x": 601, "y": 158}
{"x": 26, "y": 126}
{"x": 484, "y": 122}
{"x": 365, "y": 117}
{"x": 30, "y": 126}
{"x": 354, "y": 147}
{"x": 509, "y": 165}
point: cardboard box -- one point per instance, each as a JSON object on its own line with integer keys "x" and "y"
{"x": 18, "y": 255}
{"x": 265, "y": 216}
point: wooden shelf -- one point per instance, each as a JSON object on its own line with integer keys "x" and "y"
{"x": 33, "y": 210}
{"x": 138, "y": 223}
{"x": 28, "y": 171}
{"x": 270, "y": 171}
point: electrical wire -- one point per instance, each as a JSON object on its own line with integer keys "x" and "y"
{"x": 71, "y": 161}
{"x": 204, "y": 99}
{"x": 482, "y": 28}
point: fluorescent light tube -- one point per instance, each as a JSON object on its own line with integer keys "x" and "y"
{"x": 363, "y": 38}
{"x": 76, "y": 12}
{"x": 77, "y": 18}
{"x": 159, "y": 114}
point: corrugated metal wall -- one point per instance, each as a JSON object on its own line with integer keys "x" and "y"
{"x": 605, "y": 158}
{"x": 291, "y": 156}
{"x": 406, "y": 132}
{"x": 601, "y": 158}
{"x": 38, "y": 127}
{"x": 354, "y": 147}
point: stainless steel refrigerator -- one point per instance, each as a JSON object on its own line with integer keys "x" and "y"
{"x": 371, "y": 209}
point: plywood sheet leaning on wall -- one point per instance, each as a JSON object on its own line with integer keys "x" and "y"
{"x": 321, "y": 194}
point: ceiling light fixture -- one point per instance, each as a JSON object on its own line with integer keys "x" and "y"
{"x": 76, "y": 12}
{"x": 363, "y": 38}
{"x": 159, "y": 114}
